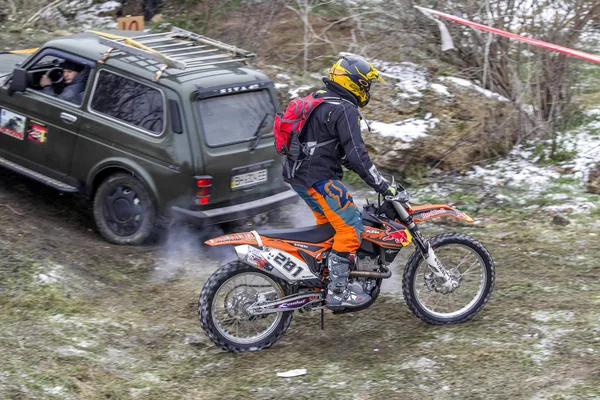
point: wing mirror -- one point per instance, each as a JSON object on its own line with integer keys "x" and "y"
{"x": 19, "y": 81}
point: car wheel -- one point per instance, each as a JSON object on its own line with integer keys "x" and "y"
{"x": 124, "y": 210}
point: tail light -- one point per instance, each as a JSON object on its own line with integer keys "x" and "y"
{"x": 203, "y": 185}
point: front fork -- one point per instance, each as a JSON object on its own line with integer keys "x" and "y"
{"x": 436, "y": 267}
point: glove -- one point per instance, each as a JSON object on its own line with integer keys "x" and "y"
{"x": 391, "y": 191}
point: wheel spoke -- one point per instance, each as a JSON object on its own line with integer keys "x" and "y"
{"x": 235, "y": 296}
{"x": 460, "y": 263}
{"x": 468, "y": 269}
{"x": 439, "y": 297}
{"x": 471, "y": 282}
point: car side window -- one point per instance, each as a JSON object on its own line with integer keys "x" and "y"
{"x": 59, "y": 77}
{"x": 129, "y": 101}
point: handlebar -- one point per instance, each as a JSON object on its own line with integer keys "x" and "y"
{"x": 401, "y": 197}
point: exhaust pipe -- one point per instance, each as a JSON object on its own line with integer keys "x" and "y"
{"x": 374, "y": 274}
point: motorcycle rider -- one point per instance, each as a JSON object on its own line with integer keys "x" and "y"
{"x": 318, "y": 179}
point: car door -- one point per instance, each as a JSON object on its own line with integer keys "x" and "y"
{"x": 126, "y": 126}
{"x": 38, "y": 130}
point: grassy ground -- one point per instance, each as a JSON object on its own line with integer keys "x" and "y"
{"x": 82, "y": 319}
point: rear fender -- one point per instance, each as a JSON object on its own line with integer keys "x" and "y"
{"x": 292, "y": 247}
{"x": 252, "y": 250}
{"x": 432, "y": 211}
{"x": 250, "y": 238}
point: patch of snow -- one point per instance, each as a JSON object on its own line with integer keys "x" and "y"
{"x": 546, "y": 316}
{"x": 545, "y": 347}
{"x": 412, "y": 78}
{"x": 586, "y": 146}
{"x": 423, "y": 364}
{"x": 447, "y": 337}
{"x": 86, "y": 343}
{"x": 149, "y": 377}
{"x": 296, "y": 92}
{"x": 281, "y": 85}
{"x": 86, "y": 14}
{"x": 530, "y": 180}
{"x": 515, "y": 169}
{"x": 54, "y": 390}
{"x": 81, "y": 322}
{"x": 441, "y": 89}
{"x": 554, "y": 390}
{"x": 578, "y": 206}
{"x": 71, "y": 351}
{"x": 140, "y": 392}
{"x": 406, "y": 130}
{"x": 53, "y": 275}
{"x": 89, "y": 17}
{"x": 469, "y": 84}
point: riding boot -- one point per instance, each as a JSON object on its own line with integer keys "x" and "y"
{"x": 339, "y": 295}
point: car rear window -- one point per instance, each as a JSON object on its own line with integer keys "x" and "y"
{"x": 129, "y": 101}
{"x": 235, "y": 118}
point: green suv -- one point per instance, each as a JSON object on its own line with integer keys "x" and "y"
{"x": 171, "y": 125}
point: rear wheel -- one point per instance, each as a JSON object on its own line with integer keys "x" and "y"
{"x": 472, "y": 274}
{"x": 223, "y": 305}
{"x": 124, "y": 210}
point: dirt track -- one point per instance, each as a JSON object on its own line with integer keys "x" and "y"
{"x": 84, "y": 319}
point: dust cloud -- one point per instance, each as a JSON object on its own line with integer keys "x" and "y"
{"x": 182, "y": 252}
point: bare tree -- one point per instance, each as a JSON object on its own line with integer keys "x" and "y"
{"x": 538, "y": 81}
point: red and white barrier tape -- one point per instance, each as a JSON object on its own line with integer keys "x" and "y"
{"x": 561, "y": 49}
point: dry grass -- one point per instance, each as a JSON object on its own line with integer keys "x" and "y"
{"x": 106, "y": 327}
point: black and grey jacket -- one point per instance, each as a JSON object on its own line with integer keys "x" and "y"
{"x": 335, "y": 119}
{"x": 72, "y": 92}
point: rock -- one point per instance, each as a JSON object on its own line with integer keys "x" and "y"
{"x": 157, "y": 18}
{"x": 593, "y": 181}
{"x": 560, "y": 220}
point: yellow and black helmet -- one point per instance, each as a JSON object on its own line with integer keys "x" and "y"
{"x": 355, "y": 74}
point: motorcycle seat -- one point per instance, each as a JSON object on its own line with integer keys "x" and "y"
{"x": 309, "y": 234}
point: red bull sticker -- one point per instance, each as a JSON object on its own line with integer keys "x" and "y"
{"x": 37, "y": 132}
{"x": 12, "y": 124}
{"x": 399, "y": 237}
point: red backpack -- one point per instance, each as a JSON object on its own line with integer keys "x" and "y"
{"x": 288, "y": 125}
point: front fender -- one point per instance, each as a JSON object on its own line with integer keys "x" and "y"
{"x": 432, "y": 211}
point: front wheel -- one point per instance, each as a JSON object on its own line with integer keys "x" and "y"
{"x": 471, "y": 270}
{"x": 223, "y": 305}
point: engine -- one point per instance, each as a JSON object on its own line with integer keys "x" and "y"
{"x": 365, "y": 262}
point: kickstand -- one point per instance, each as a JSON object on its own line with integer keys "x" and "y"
{"x": 322, "y": 319}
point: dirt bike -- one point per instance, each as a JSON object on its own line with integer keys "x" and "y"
{"x": 248, "y": 304}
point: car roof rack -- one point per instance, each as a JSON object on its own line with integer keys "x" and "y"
{"x": 178, "y": 49}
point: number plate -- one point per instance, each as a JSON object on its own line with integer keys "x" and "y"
{"x": 249, "y": 179}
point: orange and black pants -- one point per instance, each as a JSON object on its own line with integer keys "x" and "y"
{"x": 331, "y": 202}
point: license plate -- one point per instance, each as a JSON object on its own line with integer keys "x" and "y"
{"x": 249, "y": 179}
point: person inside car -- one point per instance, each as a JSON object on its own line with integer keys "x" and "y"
{"x": 75, "y": 78}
